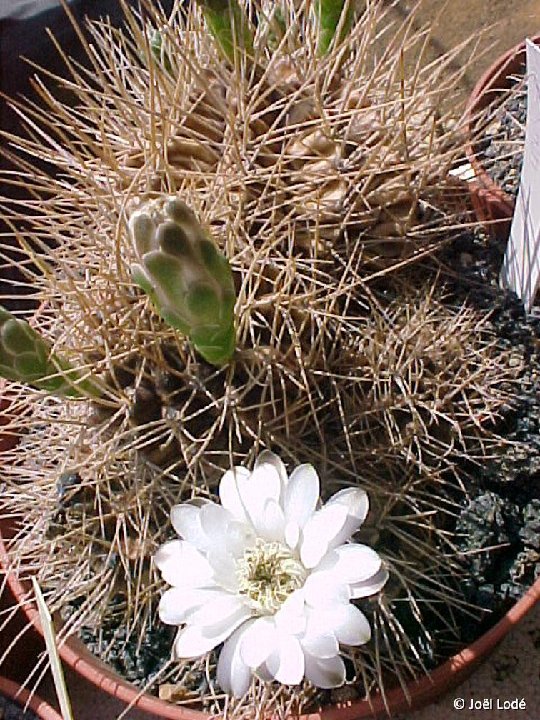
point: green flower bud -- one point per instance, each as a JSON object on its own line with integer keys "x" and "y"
{"x": 26, "y": 357}
{"x": 188, "y": 280}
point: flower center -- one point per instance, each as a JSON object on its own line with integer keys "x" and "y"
{"x": 268, "y": 573}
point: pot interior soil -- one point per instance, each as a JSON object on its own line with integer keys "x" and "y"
{"x": 10, "y": 710}
{"x": 500, "y": 150}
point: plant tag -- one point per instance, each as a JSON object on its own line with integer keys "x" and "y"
{"x": 52, "y": 650}
{"x": 521, "y": 266}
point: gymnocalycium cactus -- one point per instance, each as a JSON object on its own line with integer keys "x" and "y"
{"x": 26, "y": 357}
{"x": 187, "y": 279}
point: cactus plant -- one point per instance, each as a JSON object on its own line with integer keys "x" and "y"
{"x": 320, "y": 177}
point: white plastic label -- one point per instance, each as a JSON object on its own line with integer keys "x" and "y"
{"x": 521, "y": 266}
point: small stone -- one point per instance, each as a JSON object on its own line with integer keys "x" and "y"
{"x": 171, "y": 692}
{"x": 466, "y": 259}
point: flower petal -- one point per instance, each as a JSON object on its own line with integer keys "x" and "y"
{"x": 264, "y": 673}
{"x": 301, "y": 494}
{"x": 196, "y": 640}
{"x": 321, "y": 588}
{"x": 215, "y": 521}
{"x": 325, "y": 672}
{"x": 344, "y": 620}
{"x": 270, "y": 458}
{"x": 258, "y": 642}
{"x": 229, "y": 493}
{"x": 357, "y": 503}
{"x": 240, "y": 536}
{"x": 291, "y": 618}
{"x": 292, "y": 534}
{"x": 320, "y": 646}
{"x": 190, "y": 643}
{"x": 222, "y": 605}
{"x": 223, "y": 565}
{"x": 351, "y": 626}
{"x": 271, "y": 526}
{"x": 177, "y": 603}
{"x": 370, "y": 586}
{"x": 351, "y": 563}
{"x": 319, "y": 531}
{"x": 186, "y": 521}
{"x": 233, "y": 675}
{"x": 182, "y": 565}
{"x": 287, "y": 664}
{"x": 263, "y": 485}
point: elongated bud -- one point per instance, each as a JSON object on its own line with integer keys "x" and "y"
{"x": 189, "y": 281}
{"x": 26, "y": 357}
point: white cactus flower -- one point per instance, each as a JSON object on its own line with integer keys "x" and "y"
{"x": 271, "y": 576}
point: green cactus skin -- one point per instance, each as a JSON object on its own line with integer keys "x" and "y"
{"x": 26, "y": 357}
{"x": 158, "y": 47}
{"x": 188, "y": 280}
{"x": 230, "y": 27}
{"x": 329, "y": 16}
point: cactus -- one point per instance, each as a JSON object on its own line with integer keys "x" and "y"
{"x": 187, "y": 279}
{"x": 325, "y": 182}
{"x": 26, "y": 357}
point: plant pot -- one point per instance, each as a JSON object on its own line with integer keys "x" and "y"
{"x": 426, "y": 690}
{"x": 493, "y": 206}
{"x": 20, "y": 696}
{"x": 447, "y": 676}
{"x": 419, "y": 692}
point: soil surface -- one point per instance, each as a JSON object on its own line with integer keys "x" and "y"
{"x": 11, "y": 711}
{"x": 501, "y": 149}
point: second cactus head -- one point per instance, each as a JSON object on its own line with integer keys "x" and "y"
{"x": 189, "y": 281}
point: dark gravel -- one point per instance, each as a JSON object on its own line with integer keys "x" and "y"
{"x": 502, "y": 515}
{"x": 11, "y": 711}
{"x": 501, "y": 150}
{"x": 135, "y": 660}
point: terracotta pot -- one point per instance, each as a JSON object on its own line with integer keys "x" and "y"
{"x": 492, "y": 205}
{"x": 39, "y": 707}
{"x": 450, "y": 674}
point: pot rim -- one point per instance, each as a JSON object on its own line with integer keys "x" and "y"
{"x": 21, "y": 696}
{"x": 476, "y": 102}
